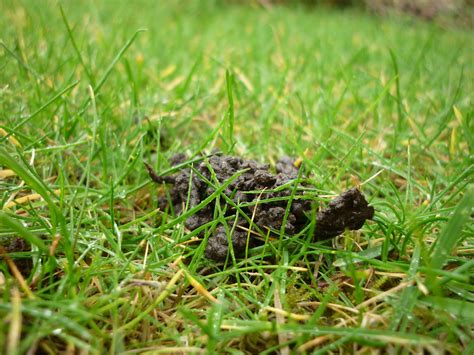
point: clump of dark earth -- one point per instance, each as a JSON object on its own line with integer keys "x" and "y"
{"x": 189, "y": 186}
{"x": 18, "y": 245}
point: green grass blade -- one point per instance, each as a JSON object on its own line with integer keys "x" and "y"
{"x": 457, "y": 308}
{"x": 76, "y": 48}
{"x": 31, "y": 179}
{"x": 229, "y": 77}
{"x": 15, "y": 226}
{"x": 452, "y": 233}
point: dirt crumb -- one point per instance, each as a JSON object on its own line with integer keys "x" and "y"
{"x": 190, "y": 186}
{"x": 347, "y": 211}
{"x": 16, "y": 245}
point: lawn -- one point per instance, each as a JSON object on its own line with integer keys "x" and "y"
{"x": 91, "y": 90}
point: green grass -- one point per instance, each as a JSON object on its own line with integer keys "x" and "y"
{"x": 90, "y": 91}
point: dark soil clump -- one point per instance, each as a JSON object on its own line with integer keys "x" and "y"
{"x": 347, "y": 211}
{"x": 18, "y": 245}
{"x": 193, "y": 185}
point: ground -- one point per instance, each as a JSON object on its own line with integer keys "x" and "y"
{"x": 92, "y": 90}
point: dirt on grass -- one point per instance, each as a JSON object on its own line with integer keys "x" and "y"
{"x": 263, "y": 196}
{"x": 10, "y": 247}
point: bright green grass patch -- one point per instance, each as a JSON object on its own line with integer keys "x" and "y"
{"x": 89, "y": 91}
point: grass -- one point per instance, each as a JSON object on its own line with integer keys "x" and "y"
{"x": 91, "y": 90}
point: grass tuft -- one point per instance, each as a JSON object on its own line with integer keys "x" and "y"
{"x": 90, "y": 263}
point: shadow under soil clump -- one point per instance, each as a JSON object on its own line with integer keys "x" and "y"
{"x": 261, "y": 195}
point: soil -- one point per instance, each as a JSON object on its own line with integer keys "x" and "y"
{"x": 348, "y": 211}
{"x": 16, "y": 245}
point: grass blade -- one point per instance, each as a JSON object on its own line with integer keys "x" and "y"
{"x": 15, "y": 226}
{"x": 452, "y": 233}
{"x": 230, "y": 113}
